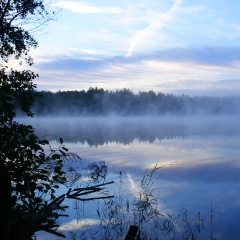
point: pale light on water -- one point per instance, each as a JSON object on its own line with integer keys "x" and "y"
{"x": 199, "y": 160}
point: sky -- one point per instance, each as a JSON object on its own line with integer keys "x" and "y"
{"x": 170, "y": 46}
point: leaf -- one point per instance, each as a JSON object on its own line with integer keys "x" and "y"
{"x": 44, "y": 141}
{"x": 62, "y": 152}
{"x": 55, "y": 156}
{"x": 65, "y": 149}
{"x": 57, "y": 169}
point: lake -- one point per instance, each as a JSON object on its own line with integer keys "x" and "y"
{"x": 199, "y": 160}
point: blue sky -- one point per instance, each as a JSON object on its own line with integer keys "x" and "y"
{"x": 170, "y": 46}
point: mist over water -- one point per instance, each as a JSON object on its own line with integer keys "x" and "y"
{"x": 101, "y": 130}
{"x": 199, "y": 159}
{"x": 99, "y": 102}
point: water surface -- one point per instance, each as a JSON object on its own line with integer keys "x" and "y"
{"x": 199, "y": 160}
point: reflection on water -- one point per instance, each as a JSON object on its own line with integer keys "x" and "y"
{"x": 99, "y": 131}
{"x": 199, "y": 159}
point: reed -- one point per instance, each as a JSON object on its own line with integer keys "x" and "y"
{"x": 117, "y": 214}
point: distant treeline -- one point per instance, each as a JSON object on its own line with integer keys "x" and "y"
{"x": 100, "y": 102}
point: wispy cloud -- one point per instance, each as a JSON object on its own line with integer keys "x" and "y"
{"x": 153, "y": 26}
{"x": 86, "y": 8}
{"x": 205, "y": 56}
{"x": 173, "y": 69}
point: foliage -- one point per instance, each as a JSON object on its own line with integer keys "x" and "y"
{"x": 21, "y": 155}
{"x": 30, "y": 170}
{"x": 15, "y": 17}
{"x": 15, "y": 85}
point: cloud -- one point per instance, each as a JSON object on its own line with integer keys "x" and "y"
{"x": 157, "y": 24}
{"x": 192, "y": 70}
{"x": 86, "y": 8}
{"x": 194, "y": 9}
{"x": 206, "y": 56}
{"x": 72, "y": 64}
{"x": 218, "y": 56}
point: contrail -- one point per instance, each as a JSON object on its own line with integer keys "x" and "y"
{"x": 158, "y": 23}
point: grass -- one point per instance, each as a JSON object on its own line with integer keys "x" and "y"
{"x": 116, "y": 214}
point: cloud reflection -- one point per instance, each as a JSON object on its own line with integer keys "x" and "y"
{"x": 74, "y": 224}
{"x": 199, "y": 159}
{"x": 188, "y": 150}
{"x": 134, "y": 188}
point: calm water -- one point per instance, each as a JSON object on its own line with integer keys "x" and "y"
{"x": 199, "y": 160}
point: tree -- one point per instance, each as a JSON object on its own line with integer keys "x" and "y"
{"x": 28, "y": 174}
{"x": 21, "y": 154}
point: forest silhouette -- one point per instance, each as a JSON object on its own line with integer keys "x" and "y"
{"x": 100, "y": 102}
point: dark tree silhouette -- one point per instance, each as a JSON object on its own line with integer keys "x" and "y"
{"x": 100, "y": 102}
{"x": 28, "y": 173}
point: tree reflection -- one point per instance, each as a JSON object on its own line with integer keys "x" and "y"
{"x": 100, "y": 131}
